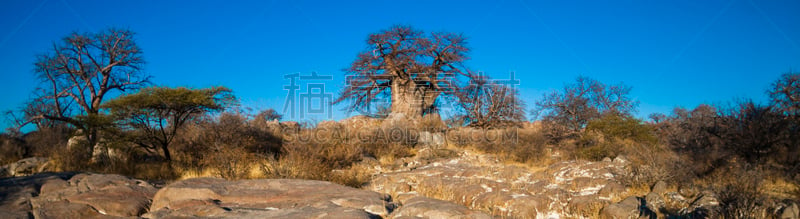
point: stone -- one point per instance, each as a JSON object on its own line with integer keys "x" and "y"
{"x": 655, "y": 202}
{"x": 71, "y": 195}
{"x": 687, "y": 190}
{"x": 281, "y": 198}
{"x": 627, "y": 208}
{"x": 659, "y": 188}
{"x": 706, "y": 205}
{"x": 586, "y": 206}
{"x": 791, "y": 211}
{"x": 620, "y": 160}
{"x": 25, "y": 167}
{"x": 104, "y": 194}
{"x": 423, "y": 207}
{"x": 611, "y": 190}
{"x": 674, "y": 199}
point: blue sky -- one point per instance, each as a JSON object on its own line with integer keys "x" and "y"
{"x": 673, "y": 53}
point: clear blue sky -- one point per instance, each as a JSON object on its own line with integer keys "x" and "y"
{"x": 673, "y": 53}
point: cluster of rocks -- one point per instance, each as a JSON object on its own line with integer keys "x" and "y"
{"x": 25, "y": 167}
{"x": 687, "y": 202}
{"x": 481, "y": 182}
{"x": 71, "y": 195}
{"x": 86, "y": 195}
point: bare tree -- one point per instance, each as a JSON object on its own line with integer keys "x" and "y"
{"x": 785, "y": 93}
{"x": 78, "y": 73}
{"x": 569, "y": 111}
{"x": 490, "y": 105}
{"x": 411, "y": 67}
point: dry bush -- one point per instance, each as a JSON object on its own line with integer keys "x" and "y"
{"x": 514, "y": 144}
{"x": 71, "y": 158}
{"x": 739, "y": 191}
{"x": 294, "y": 164}
{"x": 232, "y": 163}
{"x": 228, "y": 144}
{"x": 11, "y": 149}
{"x": 47, "y": 141}
{"x": 431, "y": 123}
{"x": 610, "y": 134}
{"x": 324, "y": 153}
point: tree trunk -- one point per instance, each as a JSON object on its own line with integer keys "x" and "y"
{"x": 166, "y": 152}
{"x": 412, "y": 100}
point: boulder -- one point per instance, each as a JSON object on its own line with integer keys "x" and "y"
{"x": 71, "y": 195}
{"x": 423, "y": 207}
{"x": 25, "y": 167}
{"x": 705, "y": 205}
{"x": 89, "y": 195}
{"x": 620, "y": 160}
{"x": 627, "y": 208}
{"x": 654, "y": 201}
{"x": 790, "y": 211}
{"x": 610, "y": 190}
{"x": 266, "y": 198}
{"x": 659, "y": 188}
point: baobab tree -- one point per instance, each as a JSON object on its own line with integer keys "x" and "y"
{"x": 408, "y": 65}
{"x": 77, "y": 75}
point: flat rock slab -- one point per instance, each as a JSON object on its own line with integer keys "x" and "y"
{"x": 74, "y": 195}
{"x": 266, "y": 198}
{"x": 93, "y": 195}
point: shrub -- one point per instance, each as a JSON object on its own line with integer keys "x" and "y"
{"x": 11, "y": 149}
{"x": 739, "y": 191}
{"x": 47, "y": 142}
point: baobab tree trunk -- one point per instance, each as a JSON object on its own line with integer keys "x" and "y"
{"x": 412, "y": 100}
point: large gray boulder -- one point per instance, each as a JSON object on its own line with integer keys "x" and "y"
{"x": 266, "y": 198}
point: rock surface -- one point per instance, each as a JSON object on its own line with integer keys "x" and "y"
{"x": 423, "y": 207}
{"x": 70, "y": 195}
{"x": 266, "y": 198}
{"x": 630, "y": 207}
{"x": 482, "y": 182}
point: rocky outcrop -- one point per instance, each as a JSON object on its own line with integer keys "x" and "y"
{"x": 266, "y": 198}
{"x": 482, "y": 182}
{"x": 70, "y": 195}
{"x": 423, "y": 207}
{"x": 25, "y": 167}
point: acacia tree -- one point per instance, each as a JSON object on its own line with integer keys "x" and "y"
{"x": 490, "y": 105}
{"x": 411, "y": 67}
{"x": 568, "y": 111}
{"x": 154, "y": 115}
{"x": 77, "y": 75}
